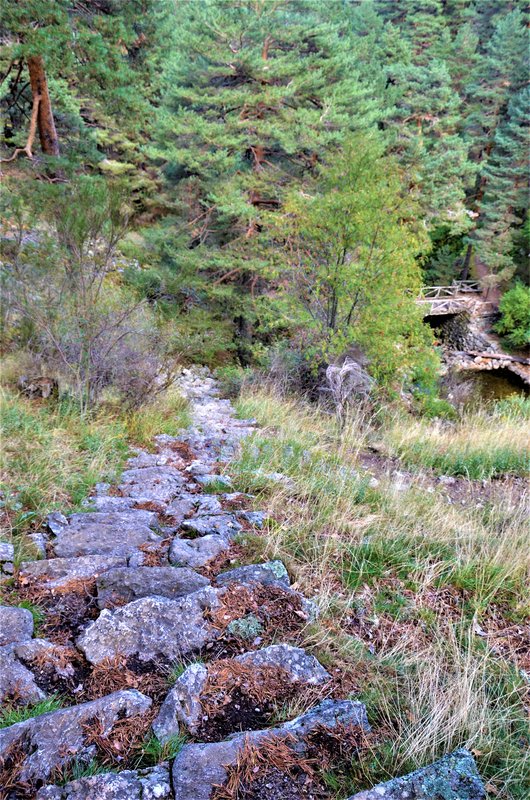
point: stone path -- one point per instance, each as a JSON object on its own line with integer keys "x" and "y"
{"x": 143, "y": 586}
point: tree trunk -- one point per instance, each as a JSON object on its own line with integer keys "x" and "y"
{"x": 49, "y": 141}
{"x": 464, "y": 275}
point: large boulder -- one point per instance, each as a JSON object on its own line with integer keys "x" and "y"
{"x": 146, "y": 784}
{"x": 152, "y": 628}
{"x": 123, "y": 585}
{"x": 57, "y": 738}
{"x": 453, "y": 777}
{"x": 182, "y": 707}
{"x": 16, "y": 624}
{"x": 199, "y": 767}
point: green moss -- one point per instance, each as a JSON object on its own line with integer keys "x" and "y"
{"x": 246, "y": 628}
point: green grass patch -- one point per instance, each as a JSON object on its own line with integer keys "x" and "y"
{"x": 14, "y": 715}
{"x": 153, "y": 751}
{"x": 53, "y": 455}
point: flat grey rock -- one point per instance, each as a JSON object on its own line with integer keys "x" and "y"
{"x": 152, "y": 483}
{"x": 16, "y": 681}
{"x": 113, "y": 519}
{"x": 454, "y": 777}
{"x": 152, "y": 627}
{"x": 299, "y": 665}
{"x": 56, "y": 738}
{"x": 16, "y": 624}
{"x": 182, "y": 708}
{"x": 106, "y": 503}
{"x": 198, "y": 767}
{"x": 225, "y": 525}
{"x": 147, "y": 784}
{"x": 270, "y": 573}
{"x": 123, "y": 585}
{"x": 255, "y": 518}
{"x": 58, "y": 572}
{"x": 196, "y": 553}
{"x": 122, "y": 538}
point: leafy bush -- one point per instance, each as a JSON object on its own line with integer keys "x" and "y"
{"x": 68, "y": 303}
{"x": 514, "y": 324}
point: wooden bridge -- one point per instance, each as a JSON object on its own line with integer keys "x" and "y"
{"x": 453, "y": 299}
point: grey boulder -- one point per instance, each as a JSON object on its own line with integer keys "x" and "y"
{"x": 16, "y": 624}
{"x": 270, "y": 573}
{"x": 196, "y": 553}
{"x": 152, "y": 628}
{"x": 57, "y": 572}
{"x": 7, "y": 555}
{"x": 146, "y": 784}
{"x": 198, "y": 767}
{"x": 56, "y": 738}
{"x": 182, "y": 706}
{"x": 16, "y": 681}
{"x": 453, "y": 777}
{"x": 152, "y": 483}
{"x": 225, "y": 525}
{"x": 299, "y": 665}
{"x": 117, "y": 533}
{"x": 123, "y": 585}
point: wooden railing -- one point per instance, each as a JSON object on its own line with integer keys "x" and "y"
{"x": 456, "y": 288}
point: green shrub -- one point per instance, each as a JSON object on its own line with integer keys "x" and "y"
{"x": 514, "y": 324}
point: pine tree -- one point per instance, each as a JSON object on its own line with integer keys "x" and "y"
{"x": 506, "y": 189}
{"x": 85, "y": 64}
{"x": 257, "y": 94}
{"x": 427, "y": 140}
{"x": 500, "y": 73}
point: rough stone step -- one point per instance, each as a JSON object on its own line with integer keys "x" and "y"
{"x": 454, "y": 777}
{"x": 153, "y": 783}
{"x": 114, "y": 534}
{"x": 198, "y": 767}
{"x": 119, "y": 586}
{"x": 152, "y": 483}
{"x": 55, "y": 739}
{"x": 182, "y": 711}
{"x": 225, "y": 525}
{"x": 58, "y": 572}
{"x": 196, "y": 553}
{"x": 272, "y": 573}
{"x": 152, "y": 628}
